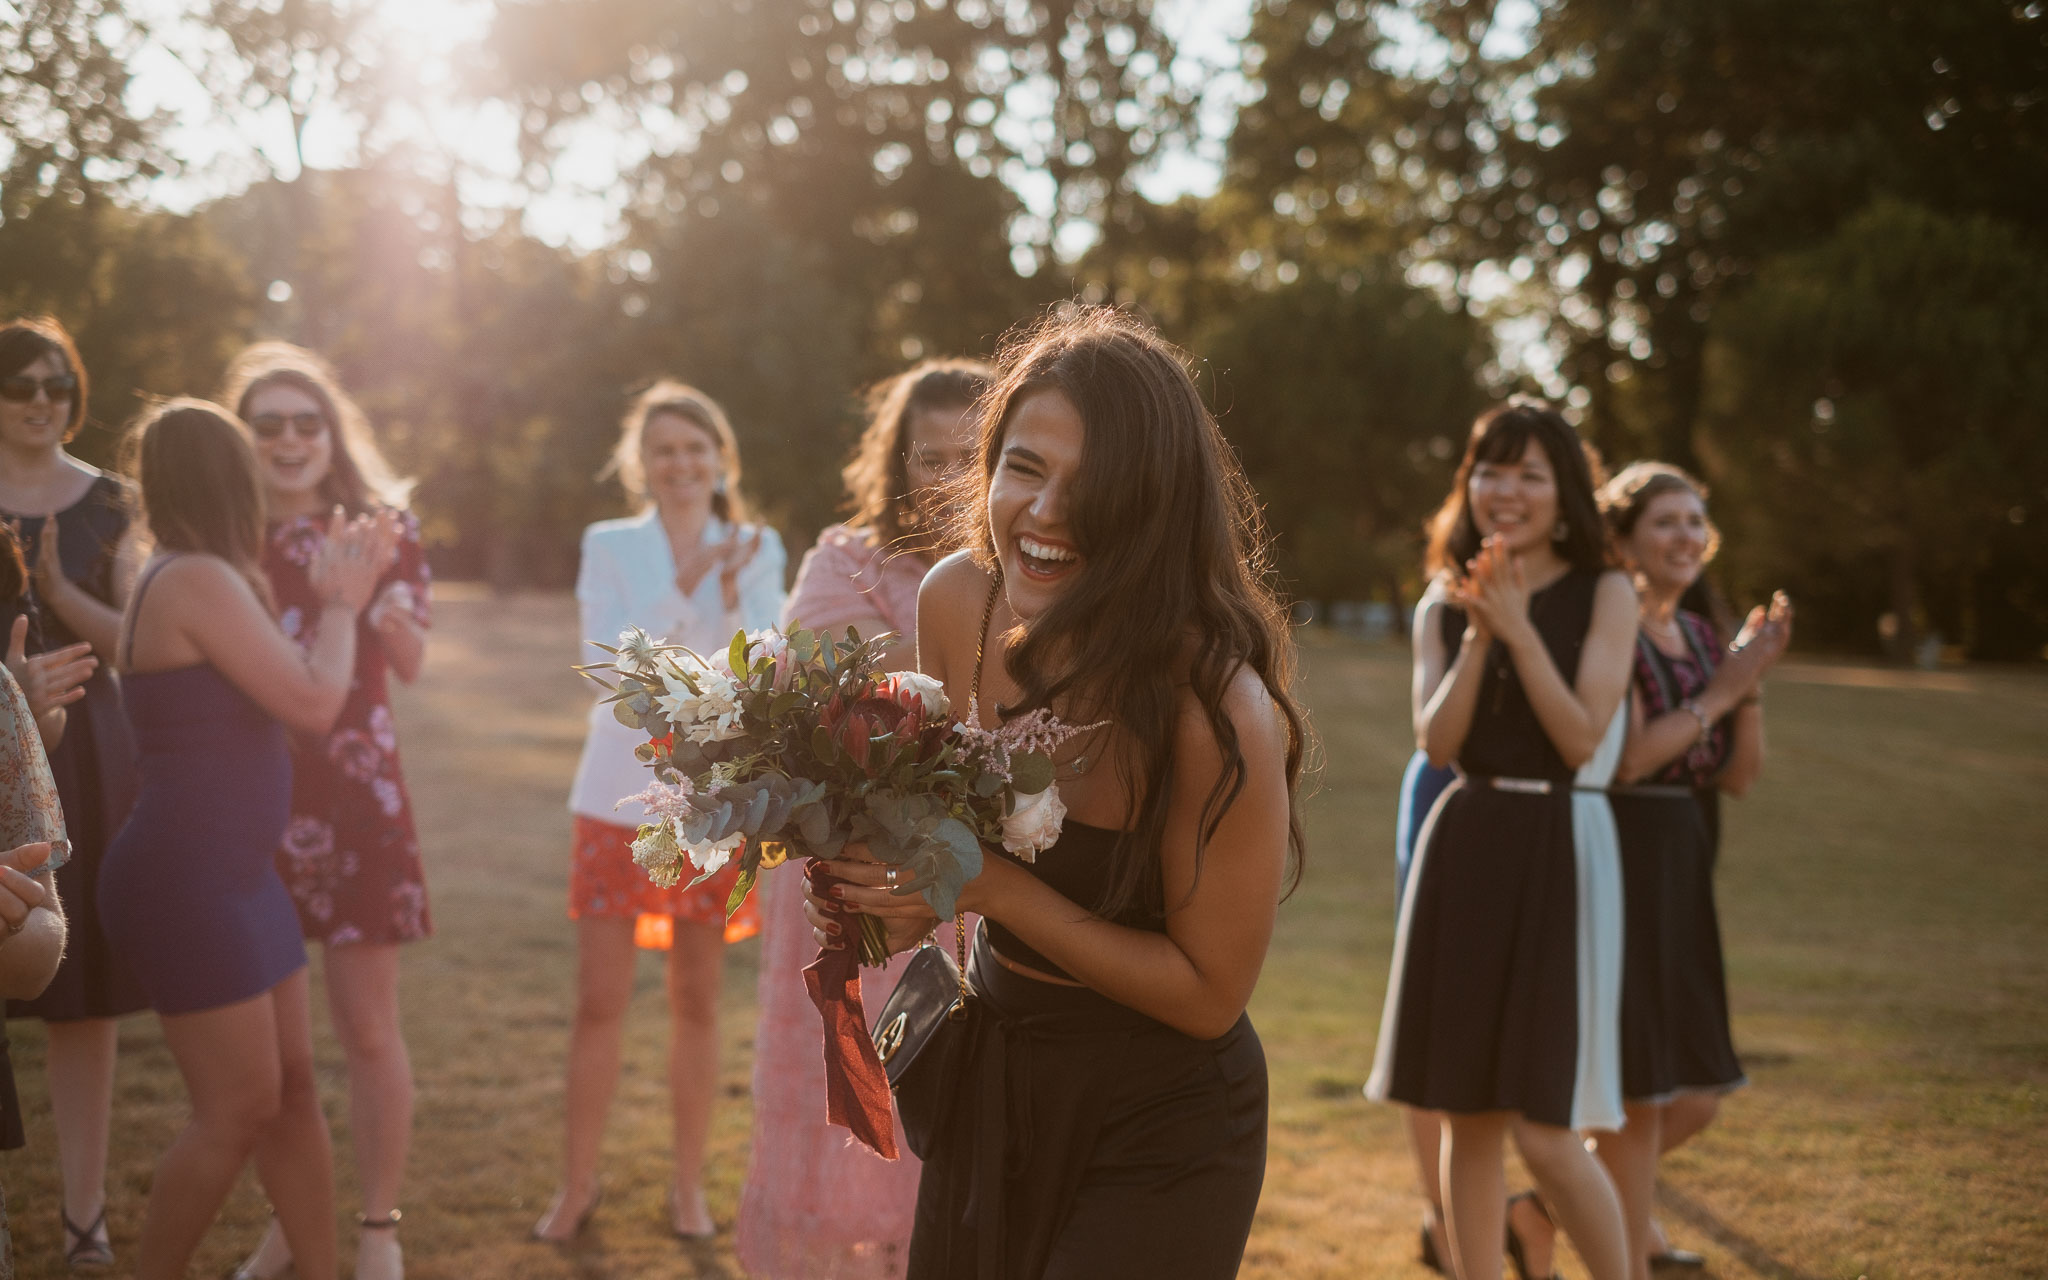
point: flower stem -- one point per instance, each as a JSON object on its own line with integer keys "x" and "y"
{"x": 874, "y": 942}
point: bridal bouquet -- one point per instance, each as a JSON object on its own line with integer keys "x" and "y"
{"x": 799, "y": 743}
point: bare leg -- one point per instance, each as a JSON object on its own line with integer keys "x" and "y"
{"x": 1475, "y": 1191}
{"x": 696, "y": 962}
{"x": 1425, "y": 1142}
{"x": 1578, "y": 1194}
{"x": 294, "y": 1159}
{"x": 81, "y": 1083}
{"x": 604, "y": 987}
{"x": 1683, "y": 1118}
{"x": 362, "y": 993}
{"x": 228, "y": 1058}
{"x": 1630, "y": 1157}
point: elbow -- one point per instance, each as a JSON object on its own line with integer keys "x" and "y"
{"x": 316, "y": 716}
{"x": 1206, "y": 1019}
{"x": 1736, "y": 785}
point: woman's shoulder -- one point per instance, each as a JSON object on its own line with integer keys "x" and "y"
{"x": 615, "y": 532}
{"x": 955, "y": 583}
{"x": 1250, "y": 707}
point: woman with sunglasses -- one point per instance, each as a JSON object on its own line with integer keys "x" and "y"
{"x": 351, "y": 855}
{"x": 72, "y": 521}
{"x": 815, "y": 1204}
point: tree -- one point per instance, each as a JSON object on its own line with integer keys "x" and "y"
{"x": 1878, "y": 411}
{"x": 70, "y": 134}
{"x": 1347, "y": 399}
{"x": 1639, "y": 159}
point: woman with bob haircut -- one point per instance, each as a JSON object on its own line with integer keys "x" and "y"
{"x": 75, "y": 531}
{"x": 815, "y": 1204}
{"x": 1109, "y": 1116}
{"x": 190, "y": 891}
{"x": 1696, "y": 732}
{"x": 690, "y": 568}
{"x": 1502, "y": 1004}
{"x": 351, "y": 854}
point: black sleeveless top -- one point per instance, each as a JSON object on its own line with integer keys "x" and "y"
{"x": 1506, "y": 739}
{"x": 1078, "y": 865}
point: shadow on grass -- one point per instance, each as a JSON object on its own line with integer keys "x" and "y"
{"x": 1752, "y": 1255}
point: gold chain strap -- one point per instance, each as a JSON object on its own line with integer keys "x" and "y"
{"x": 988, "y": 613}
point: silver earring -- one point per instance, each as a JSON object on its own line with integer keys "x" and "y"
{"x": 1560, "y": 532}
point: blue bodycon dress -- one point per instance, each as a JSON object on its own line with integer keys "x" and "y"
{"x": 189, "y": 889}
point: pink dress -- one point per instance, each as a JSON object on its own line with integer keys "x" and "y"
{"x": 817, "y": 1206}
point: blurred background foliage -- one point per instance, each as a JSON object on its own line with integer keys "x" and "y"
{"x": 1802, "y": 248}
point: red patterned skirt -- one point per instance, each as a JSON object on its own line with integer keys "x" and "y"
{"x": 604, "y": 881}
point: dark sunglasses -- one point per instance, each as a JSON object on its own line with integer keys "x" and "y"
{"x": 21, "y": 387}
{"x": 306, "y": 426}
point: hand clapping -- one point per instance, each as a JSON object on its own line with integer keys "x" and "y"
{"x": 1762, "y": 641}
{"x": 356, "y": 554}
{"x": 48, "y": 680}
{"x": 1493, "y": 591}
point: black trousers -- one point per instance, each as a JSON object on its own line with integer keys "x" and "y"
{"x": 1086, "y": 1140}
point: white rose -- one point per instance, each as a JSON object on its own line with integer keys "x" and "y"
{"x": 1033, "y": 824}
{"x": 931, "y": 691}
{"x": 711, "y": 855}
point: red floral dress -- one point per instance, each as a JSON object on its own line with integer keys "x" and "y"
{"x": 351, "y": 855}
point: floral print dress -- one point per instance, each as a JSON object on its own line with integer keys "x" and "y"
{"x": 351, "y": 855}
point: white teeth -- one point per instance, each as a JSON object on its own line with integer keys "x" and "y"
{"x": 1043, "y": 551}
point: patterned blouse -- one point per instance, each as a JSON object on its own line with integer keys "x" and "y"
{"x": 1666, "y": 682}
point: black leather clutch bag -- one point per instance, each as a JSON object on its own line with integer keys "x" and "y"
{"x": 921, "y": 1036}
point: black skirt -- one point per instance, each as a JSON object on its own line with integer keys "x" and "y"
{"x": 1674, "y": 990}
{"x": 1088, "y": 1140}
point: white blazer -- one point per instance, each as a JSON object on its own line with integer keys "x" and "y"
{"x": 628, "y": 579}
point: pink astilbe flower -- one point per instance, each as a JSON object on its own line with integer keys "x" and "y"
{"x": 1038, "y": 731}
{"x": 663, "y": 801}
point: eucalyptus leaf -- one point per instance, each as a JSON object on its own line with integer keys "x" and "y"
{"x": 1030, "y": 772}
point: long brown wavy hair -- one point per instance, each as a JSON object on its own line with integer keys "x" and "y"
{"x": 199, "y": 490}
{"x": 878, "y": 478}
{"x": 358, "y": 477}
{"x": 1175, "y": 589}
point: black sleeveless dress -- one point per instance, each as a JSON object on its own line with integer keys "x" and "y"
{"x": 94, "y": 763}
{"x": 1084, "y": 1139}
{"x": 1674, "y": 991}
{"x": 1505, "y": 988}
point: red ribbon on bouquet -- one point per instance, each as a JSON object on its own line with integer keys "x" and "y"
{"x": 856, "y": 1087}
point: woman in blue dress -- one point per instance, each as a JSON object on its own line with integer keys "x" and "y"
{"x": 189, "y": 890}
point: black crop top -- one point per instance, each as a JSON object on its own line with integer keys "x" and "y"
{"x": 1078, "y": 866}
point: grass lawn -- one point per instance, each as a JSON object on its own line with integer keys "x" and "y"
{"x": 1884, "y": 894}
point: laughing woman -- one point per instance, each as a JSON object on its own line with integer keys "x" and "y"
{"x": 1696, "y": 731}
{"x": 690, "y": 568}
{"x": 1502, "y": 1005}
{"x": 1110, "y": 1115}
{"x": 351, "y": 856}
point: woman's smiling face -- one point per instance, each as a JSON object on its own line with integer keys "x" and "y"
{"x": 1028, "y": 500}
{"x": 40, "y": 421}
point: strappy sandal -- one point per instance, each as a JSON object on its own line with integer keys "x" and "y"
{"x": 89, "y": 1251}
{"x": 1514, "y": 1242}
